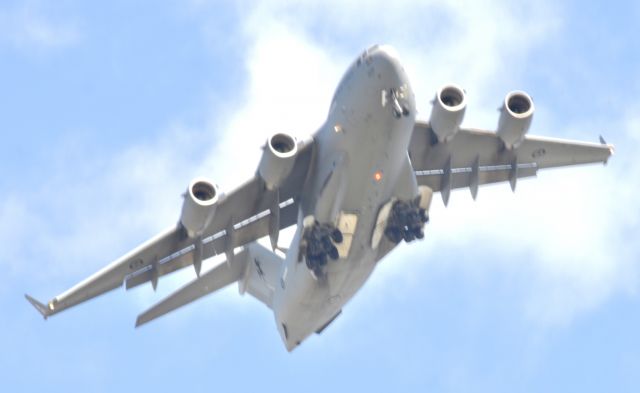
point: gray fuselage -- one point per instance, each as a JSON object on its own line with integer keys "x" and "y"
{"x": 360, "y": 163}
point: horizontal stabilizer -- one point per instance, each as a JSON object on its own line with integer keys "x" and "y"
{"x": 42, "y": 309}
{"x": 216, "y": 278}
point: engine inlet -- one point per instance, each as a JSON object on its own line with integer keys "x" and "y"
{"x": 451, "y": 96}
{"x": 282, "y": 143}
{"x": 203, "y": 191}
{"x": 519, "y": 104}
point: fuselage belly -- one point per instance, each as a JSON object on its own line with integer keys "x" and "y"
{"x": 361, "y": 156}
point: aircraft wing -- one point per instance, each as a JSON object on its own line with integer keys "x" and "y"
{"x": 474, "y": 157}
{"x": 245, "y": 214}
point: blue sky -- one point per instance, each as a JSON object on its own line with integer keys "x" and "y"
{"x": 108, "y": 110}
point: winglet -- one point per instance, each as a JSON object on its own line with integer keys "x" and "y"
{"x": 611, "y": 148}
{"x": 42, "y": 309}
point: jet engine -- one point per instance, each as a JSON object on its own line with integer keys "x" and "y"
{"x": 277, "y": 160}
{"x": 199, "y": 206}
{"x": 448, "y": 110}
{"x": 515, "y": 118}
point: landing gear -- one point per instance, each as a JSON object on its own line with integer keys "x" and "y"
{"x": 397, "y": 104}
{"x": 333, "y": 253}
{"x": 336, "y": 235}
{"x": 394, "y": 234}
{"x": 409, "y": 236}
{"x": 320, "y": 241}
{"x": 406, "y": 222}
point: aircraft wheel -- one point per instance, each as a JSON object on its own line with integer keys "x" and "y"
{"x": 408, "y": 236}
{"x": 326, "y": 244}
{"x": 393, "y": 234}
{"x": 317, "y": 272}
{"x": 424, "y": 216}
{"x": 314, "y": 247}
{"x": 322, "y": 259}
{"x": 336, "y": 236}
{"x": 414, "y": 221}
{"x": 333, "y": 253}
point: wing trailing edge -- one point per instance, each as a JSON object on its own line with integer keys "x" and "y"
{"x": 217, "y": 278}
{"x": 475, "y": 157}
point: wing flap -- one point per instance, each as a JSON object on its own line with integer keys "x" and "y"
{"x": 462, "y": 177}
{"x": 474, "y": 157}
{"x": 214, "y": 245}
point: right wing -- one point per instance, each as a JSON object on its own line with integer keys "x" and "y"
{"x": 246, "y": 214}
{"x": 474, "y": 157}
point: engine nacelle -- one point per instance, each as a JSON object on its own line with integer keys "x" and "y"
{"x": 448, "y": 111}
{"x": 277, "y": 160}
{"x": 515, "y": 118}
{"x": 199, "y": 206}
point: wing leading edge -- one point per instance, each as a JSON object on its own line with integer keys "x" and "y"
{"x": 242, "y": 216}
{"x": 475, "y": 157}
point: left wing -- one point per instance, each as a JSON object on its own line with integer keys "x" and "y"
{"x": 246, "y": 214}
{"x": 474, "y": 157}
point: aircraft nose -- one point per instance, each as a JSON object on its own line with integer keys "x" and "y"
{"x": 384, "y": 51}
{"x": 385, "y": 58}
{"x": 383, "y": 62}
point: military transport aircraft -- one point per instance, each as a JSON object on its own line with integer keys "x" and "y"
{"x": 354, "y": 190}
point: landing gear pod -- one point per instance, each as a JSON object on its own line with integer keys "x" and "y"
{"x": 515, "y": 118}
{"x": 199, "y": 206}
{"x": 448, "y": 111}
{"x": 403, "y": 220}
{"x": 277, "y": 159}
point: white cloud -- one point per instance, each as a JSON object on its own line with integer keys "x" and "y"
{"x": 571, "y": 228}
{"x": 289, "y": 90}
{"x": 15, "y": 229}
{"x": 78, "y": 218}
{"x": 632, "y": 123}
{"x": 567, "y": 226}
{"x": 293, "y": 66}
